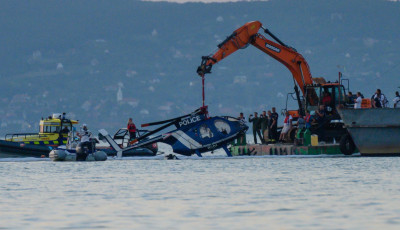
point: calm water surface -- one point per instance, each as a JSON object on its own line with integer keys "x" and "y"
{"x": 211, "y": 193}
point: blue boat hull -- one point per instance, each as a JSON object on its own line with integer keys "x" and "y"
{"x": 16, "y": 149}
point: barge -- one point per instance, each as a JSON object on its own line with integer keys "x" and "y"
{"x": 375, "y": 132}
{"x": 285, "y": 149}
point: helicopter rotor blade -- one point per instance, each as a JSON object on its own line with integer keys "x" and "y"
{"x": 153, "y": 132}
{"x": 170, "y": 120}
{"x": 162, "y": 122}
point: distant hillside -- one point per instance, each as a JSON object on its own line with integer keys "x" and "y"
{"x": 105, "y": 61}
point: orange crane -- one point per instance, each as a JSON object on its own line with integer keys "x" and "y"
{"x": 313, "y": 89}
{"x": 288, "y": 56}
{"x": 248, "y": 34}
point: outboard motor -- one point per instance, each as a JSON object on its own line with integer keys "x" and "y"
{"x": 93, "y": 142}
{"x": 82, "y": 151}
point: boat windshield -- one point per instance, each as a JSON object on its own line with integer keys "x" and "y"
{"x": 49, "y": 129}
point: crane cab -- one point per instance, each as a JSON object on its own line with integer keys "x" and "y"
{"x": 329, "y": 94}
{"x": 332, "y": 95}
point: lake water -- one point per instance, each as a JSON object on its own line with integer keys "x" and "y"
{"x": 216, "y": 192}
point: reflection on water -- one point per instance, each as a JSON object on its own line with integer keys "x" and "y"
{"x": 212, "y": 193}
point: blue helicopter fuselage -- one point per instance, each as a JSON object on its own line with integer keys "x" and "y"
{"x": 198, "y": 134}
{"x": 195, "y": 133}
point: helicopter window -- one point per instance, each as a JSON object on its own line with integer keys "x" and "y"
{"x": 222, "y": 126}
{"x": 205, "y": 132}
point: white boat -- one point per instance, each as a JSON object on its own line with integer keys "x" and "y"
{"x": 78, "y": 154}
{"x": 78, "y": 151}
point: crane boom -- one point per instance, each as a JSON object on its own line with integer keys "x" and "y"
{"x": 249, "y": 34}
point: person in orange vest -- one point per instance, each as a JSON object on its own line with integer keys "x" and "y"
{"x": 308, "y": 119}
{"x": 131, "y": 129}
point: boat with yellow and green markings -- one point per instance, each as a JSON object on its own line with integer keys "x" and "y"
{"x": 53, "y": 132}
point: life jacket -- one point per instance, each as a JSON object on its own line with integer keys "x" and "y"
{"x": 287, "y": 120}
{"x": 308, "y": 117}
{"x": 132, "y": 128}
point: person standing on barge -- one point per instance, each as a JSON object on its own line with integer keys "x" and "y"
{"x": 241, "y": 140}
{"x": 358, "y": 101}
{"x": 396, "y": 100}
{"x": 274, "y": 125}
{"x": 256, "y": 126}
{"x": 264, "y": 125}
{"x": 287, "y": 125}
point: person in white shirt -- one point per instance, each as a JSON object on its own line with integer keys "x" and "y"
{"x": 85, "y": 135}
{"x": 287, "y": 125}
{"x": 357, "y": 102}
{"x": 396, "y": 100}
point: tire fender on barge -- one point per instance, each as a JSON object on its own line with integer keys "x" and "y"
{"x": 347, "y": 145}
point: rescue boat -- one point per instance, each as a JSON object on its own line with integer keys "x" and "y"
{"x": 53, "y": 132}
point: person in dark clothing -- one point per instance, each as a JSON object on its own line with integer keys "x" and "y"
{"x": 351, "y": 98}
{"x": 131, "y": 129}
{"x": 378, "y": 100}
{"x": 320, "y": 115}
{"x": 274, "y": 125}
{"x": 264, "y": 125}
{"x": 241, "y": 140}
{"x": 269, "y": 125}
{"x": 241, "y": 117}
{"x": 256, "y": 126}
{"x": 65, "y": 130}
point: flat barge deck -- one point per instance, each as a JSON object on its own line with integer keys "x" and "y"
{"x": 285, "y": 149}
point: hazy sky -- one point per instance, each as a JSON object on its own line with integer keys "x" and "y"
{"x": 205, "y": 1}
{"x": 211, "y": 1}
